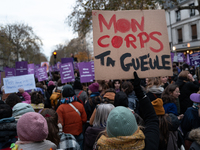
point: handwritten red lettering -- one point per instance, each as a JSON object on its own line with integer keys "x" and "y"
{"x": 117, "y": 41}
{"x": 130, "y": 42}
{"x": 123, "y": 25}
{"x": 100, "y": 39}
{"x": 142, "y": 41}
{"x": 151, "y": 35}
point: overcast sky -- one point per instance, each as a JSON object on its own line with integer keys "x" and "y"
{"x": 47, "y": 18}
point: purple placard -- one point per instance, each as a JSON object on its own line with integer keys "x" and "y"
{"x": 75, "y": 65}
{"x": 9, "y": 72}
{"x": 195, "y": 59}
{"x": 31, "y": 68}
{"x": 67, "y": 72}
{"x": 21, "y": 68}
{"x": 41, "y": 74}
{"x": 92, "y": 66}
{"x": 58, "y": 66}
{"x": 66, "y": 60}
{"x": 85, "y": 71}
{"x": 36, "y": 67}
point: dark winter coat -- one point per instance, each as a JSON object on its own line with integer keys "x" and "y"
{"x": 186, "y": 89}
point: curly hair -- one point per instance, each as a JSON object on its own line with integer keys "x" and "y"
{"x": 37, "y": 98}
{"x": 127, "y": 87}
{"x": 52, "y": 120}
{"x": 12, "y": 100}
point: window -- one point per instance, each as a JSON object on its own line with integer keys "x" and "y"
{"x": 192, "y": 11}
{"x": 194, "y": 31}
{"x": 178, "y": 15}
{"x": 180, "y": 39}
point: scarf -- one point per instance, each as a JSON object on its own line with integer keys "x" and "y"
{"x": 195, "y": 105}
{"x": 135, "y": 141}
{"x": 94, "y": 94}
{"x": 68, "y": 100}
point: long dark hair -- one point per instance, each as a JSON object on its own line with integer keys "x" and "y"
{"x": 163, "y": 127}
{"x": 37, "y": 97}
{"x": 52, "y": 120}
{"x": 166, "y": 95}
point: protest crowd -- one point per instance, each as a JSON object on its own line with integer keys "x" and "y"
{"x": 158, "y": 113}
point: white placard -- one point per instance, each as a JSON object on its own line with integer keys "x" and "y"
{"x": 12, "y": 84}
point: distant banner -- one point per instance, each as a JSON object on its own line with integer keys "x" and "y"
{"x": 12, "y": 84}
{"x": 9, "y": 72}
{"x": 92, "y": 66}
{"x": 45, "y": 64}
{"x": 195, "y": 59}
{"x": 85, "y": 71}
{"x": 31, "y": 68}
{"x": 67, "y": 72}
{"x": 67, "y": 60}
{"x": 21, "y": 68}
{"x": 41, "y": 74}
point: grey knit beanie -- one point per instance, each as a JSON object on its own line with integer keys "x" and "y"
{"x": 121, "y": 122}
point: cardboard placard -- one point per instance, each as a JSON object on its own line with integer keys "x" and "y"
{"x": 128, "y": 41}
{"x": 12, "y": 84}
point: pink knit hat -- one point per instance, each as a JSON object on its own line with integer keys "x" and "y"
{"x": 94, "y": 87}
{"x": 32, "y": 126}
{"x": 51, "y": 83}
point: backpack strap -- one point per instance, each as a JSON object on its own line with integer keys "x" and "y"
{"x": 75, "y": 108}
{"x": 79, "y": 98}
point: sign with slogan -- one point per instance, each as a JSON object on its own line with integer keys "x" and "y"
{"x": 21, "y": 68}
{"x": 85, "y": 71}
{"x": 31, "y": 68}
{"x": 92, "y": 65}
{"x": 128, "y": 41}
{"x": 9, "y": 72}
{"x": 41, "y": 74}
{"x": 67, "y": 72}
{"x": 195, "y": 59}
{"x": 12, "y": 84}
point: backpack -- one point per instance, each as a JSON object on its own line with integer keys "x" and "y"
{"x": 55, "y": 97}
{"x": 79, "y": 100}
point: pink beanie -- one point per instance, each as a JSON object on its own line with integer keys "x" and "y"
{"x": 94, "y": 87}
{"x": 51, "y": 83}
{"x": 32, "y": 126}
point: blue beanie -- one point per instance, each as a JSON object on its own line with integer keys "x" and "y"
{"x": 121, "y": 122}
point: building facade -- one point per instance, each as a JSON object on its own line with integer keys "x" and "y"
{"x": 184, "y": 28}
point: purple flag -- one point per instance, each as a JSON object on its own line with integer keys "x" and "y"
{"x": 67, "y": 72}
{"x": 195, "y": 59}
{"x": 31, "y": 68}
{"x": 41, "y": 74}
{"x": 21, "y": 68}
{"x": 85, "y": 71}
{"x": 9, "y": 72}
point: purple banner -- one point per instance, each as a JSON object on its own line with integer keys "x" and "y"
{"x": 85, "y": 71}
{"x": 66, "y": 60}
{"x": 181, "y": 57}
{"x": 75, "y": 65}
{"x": 21, "y": 68}
{"x": 31, "y": 68}
{"x": 195, "y": 59}
{"x": 188, "y": 59}
{"x": 172, "y": 57}
{"x": 9, "y": 72}
{"x": 41, "y": 74}
{"x": 67, "y": 72}
{"x": 36, "y": 67}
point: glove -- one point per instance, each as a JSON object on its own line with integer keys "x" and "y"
{"x": 138, "y": 90}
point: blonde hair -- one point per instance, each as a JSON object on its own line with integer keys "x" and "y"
{"x": 153, "y": 81}
{"x": 195, "y": 135}
{"x": 184, "y": 74}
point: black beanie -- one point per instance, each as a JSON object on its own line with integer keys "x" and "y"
{"x": 68, "y": 91}
{"x": 121, "y": 99}
{"x": 5, "y": 111}
{"x": 77, "y": 84}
